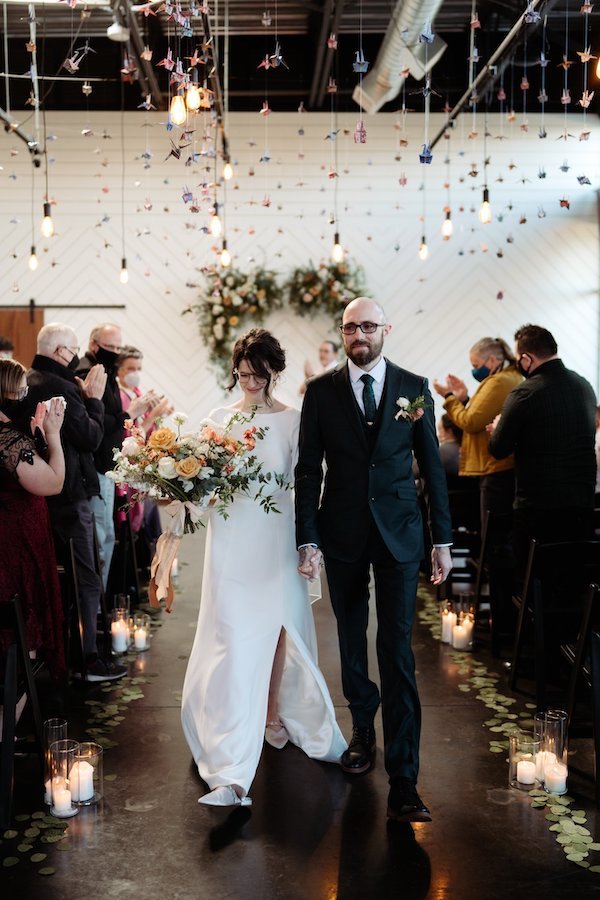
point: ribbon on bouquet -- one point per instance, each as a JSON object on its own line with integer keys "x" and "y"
{"x": 167, "y": 546}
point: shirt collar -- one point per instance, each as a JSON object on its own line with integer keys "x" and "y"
{"x": 378, "y": 372}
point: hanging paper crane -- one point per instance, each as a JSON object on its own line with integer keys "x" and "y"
{"x": 426, "y": 36}
{"x": 360, "y": 64}
{"x": 276, "y": 58}
{"x": 532, "y": 17}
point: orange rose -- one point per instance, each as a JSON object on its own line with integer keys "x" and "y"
{"x": 162, "y": 439}
{"x": 233, "y": 321}
{"x": 188, "y": 467}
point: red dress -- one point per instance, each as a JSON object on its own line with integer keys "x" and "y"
{"x": 27, "y": 558}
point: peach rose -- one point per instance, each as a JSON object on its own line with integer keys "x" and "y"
{"x": 188, "y": 467}
{"x": 162, "y": 439}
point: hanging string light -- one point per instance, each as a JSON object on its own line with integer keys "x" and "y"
{"x": 33, "y": 260}
{"x": 124, "y": 274}
{"x": 485, "y": 210}
{"x": 447, "y": 225}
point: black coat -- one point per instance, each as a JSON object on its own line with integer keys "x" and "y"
{"x": 548, "y": 422}
{"x": 366, "y": 477}
{"x": 82, "y": 429}
{"x": 114, "y": 417}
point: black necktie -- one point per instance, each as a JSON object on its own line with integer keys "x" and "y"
{"x": 369, "y": 398}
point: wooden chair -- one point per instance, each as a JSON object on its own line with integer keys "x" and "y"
{"x": 555, "y": 583}
{"x": 466, "y": 540}
{"x": 17, "y": 680}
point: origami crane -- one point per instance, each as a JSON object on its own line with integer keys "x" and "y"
{"x": 542, "y": 133}
{"x": 524, "y": 83}
{"x": 360, "y": 64}
{"x": 475, "y": 23}
{"x": 265, "y": 110}
{"x": 541, "y": 173}
{"x": 564, "y": 203}
{"x": 168, "y": 62}
{"x": 332, "y": 41}
{"x": 566, "y": 63}
{"x": 565, "y": 97}
{"x": 265, "y": 63}
{"x": 501, "y": 95}
{"x": 531, "y": 15}
{"x": 360, "y": 133}
{"x": 542, "y": 61}
{"x": 585, "y": 55}
{"x": 146, "y": 53}
{"x": 586, "y": 99}
{"x": 426, "y": 36}
{"x": 266, "y": 19}
{"x": 277, "y": 59}
{"x": 332, "y": 86}
{"x": 425, "y": 156}
{"x": 542, "y": 96}
{"x": 583, "y": 179}
{"x": 147, "y": 103}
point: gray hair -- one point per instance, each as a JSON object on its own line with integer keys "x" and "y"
{"x": 496, "y": 347}
{"x": 128, "y": 353}
{"x": 52, "y": 336}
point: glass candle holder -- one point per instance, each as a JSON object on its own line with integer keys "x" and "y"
{"x": 141, "y": 632}
{"x": 119, "y": 629}
{"x": 448, "y": 622}
{"x": 87, "y": 775}
{"x": 63, "y": 755}
{"x": 54, "y": 730}
{"x": 522, "y": 771}
{"x": 122, "y": 601}
{"x": 550, "y": 728}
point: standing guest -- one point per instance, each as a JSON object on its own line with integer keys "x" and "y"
{"x": 548, "y": 422}
{"x": 450, "y": 438}
{"x": 104, "y": 347}
{"x": 369, "y": 515}
{"x": 6, "y": 348}
{"x": 52, "y": 374}
{"x": 328, "y": 357}
{"x": 27, "y": 560}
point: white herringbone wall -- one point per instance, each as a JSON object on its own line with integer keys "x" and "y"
{"x": 537, "y": 261}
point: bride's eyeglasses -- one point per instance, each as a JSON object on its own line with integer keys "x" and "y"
{"x": 365, "y": 327}
{"x": 244, "y": 378}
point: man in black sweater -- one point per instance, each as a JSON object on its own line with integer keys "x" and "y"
{"x": 104, "y": 347}
{"x": 548, "y": 423}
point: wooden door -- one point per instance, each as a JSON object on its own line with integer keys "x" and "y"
{"x": 22, "y": 326}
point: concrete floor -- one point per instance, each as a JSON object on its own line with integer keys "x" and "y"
{"x": 312, "y": 833}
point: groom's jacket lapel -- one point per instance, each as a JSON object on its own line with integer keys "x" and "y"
{"x": 348, "y": 405}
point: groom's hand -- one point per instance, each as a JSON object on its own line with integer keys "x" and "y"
{"x": 441, "y": 564}
{"x": 310, "y": 562}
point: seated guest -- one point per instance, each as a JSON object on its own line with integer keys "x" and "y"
{"x": 27, "y": 559}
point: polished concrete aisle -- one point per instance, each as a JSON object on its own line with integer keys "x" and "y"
{"x": 312, "y": 833}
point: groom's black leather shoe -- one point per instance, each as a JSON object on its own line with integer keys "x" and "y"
{"x": 404, "y": 803}
{"x": 358, "y": 757}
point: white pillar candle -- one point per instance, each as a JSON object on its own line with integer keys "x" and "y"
{"x": 48, "y": 791}
{"x": 81, "y": 781}
{"x": 61, "y": 799}
{"x": 460, "y": 638}
{"x": 120, "y": 636}
{"x": 448, "y": 623}
{"x": 468, "y": 625}
{"x": 544, "y": 759}
{"x": 526, "y": 771}
{"x": 140, "y": 639}
{"x": 555, "y": 778}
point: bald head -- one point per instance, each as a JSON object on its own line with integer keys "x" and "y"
{"x": 365, "y": 318}
{"x": 364, "y": 309}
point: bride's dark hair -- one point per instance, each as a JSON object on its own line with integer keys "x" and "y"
{"x": 263, "y": 353}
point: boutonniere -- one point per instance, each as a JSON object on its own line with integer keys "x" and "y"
{"x": 411, "y": 410}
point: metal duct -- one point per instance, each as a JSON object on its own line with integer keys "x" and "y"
{"x": 400, "y": 49}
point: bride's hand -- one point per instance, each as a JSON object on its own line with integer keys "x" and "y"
{"x": 310, "y": 562}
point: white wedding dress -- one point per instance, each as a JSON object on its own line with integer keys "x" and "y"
{"x": 250, "y": 591}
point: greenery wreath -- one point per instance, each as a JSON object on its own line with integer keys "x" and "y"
{"x": 326, "y": 289}
{"x": 231, "y": 303}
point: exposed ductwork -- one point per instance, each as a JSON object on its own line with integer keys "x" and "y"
{"x": 400, "y": 50}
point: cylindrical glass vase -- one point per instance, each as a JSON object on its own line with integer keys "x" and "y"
{"x": 522, "y": 772}
{"x": 63, "y": 754}
{"x": 54, "y": 730}
{"x": 448, "y": 622}
{"x": 87, "y": 774}
{"x": 119, "y": 630}
{"x": 141, "y": 632}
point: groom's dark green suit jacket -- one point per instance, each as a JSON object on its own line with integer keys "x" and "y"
{"x": 368, "y": 473}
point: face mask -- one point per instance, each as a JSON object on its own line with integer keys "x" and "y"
{"x": 73, "y": 365}
{"x": 524, "y": 372}
{"x": 106, "y": 357}
{"x": 13, "y": 409}
{"x": 132, "y": 379}
{"x": 480, "y": 373}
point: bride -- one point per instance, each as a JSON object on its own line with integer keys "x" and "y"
{"x": 253, "y": 672}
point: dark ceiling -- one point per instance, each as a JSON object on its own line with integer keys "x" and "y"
{"x": 302, "y": 29}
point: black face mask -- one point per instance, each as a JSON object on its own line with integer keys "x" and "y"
{"x": 74, "y": 364}
{"x": 524, "y": 372}
{"x": 13, "y": 409}
{"x": 106, "y": 357}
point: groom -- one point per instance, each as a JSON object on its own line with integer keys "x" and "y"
{"x": 369, "y": 516}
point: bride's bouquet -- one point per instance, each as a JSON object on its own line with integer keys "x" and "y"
{"x": 191, "y": 472}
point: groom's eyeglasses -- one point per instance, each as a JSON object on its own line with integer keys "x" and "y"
{"x": 365, "y": 327}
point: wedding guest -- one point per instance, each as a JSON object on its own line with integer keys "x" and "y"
{"x": 6, "y": 348}
{"x": 27, "y": 558}
{"x": 355, "y": 419}
{"x": 548, "y": 422}
{"x": 597, "y": 448}
{"x": 252, "y": 673}
{"x": 52, "y": 374}
{"x": 328, "y": 358}
{"x": 105, "y": 344}
{"x": 450, "y": 438}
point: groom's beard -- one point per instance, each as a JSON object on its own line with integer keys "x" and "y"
{"x": 362, "y": 353}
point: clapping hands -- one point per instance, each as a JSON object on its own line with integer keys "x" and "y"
{"x": 452, "y": 385}
{"x": 95, "y": 383}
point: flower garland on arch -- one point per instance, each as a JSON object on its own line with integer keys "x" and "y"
{"x": 231, "y": 303}
{"x": 327, "y": 289}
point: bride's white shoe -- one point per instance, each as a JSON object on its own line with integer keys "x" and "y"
{"x": 276, "y": 734}
{"x": 224, "y": 795}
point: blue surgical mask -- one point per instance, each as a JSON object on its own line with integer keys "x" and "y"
{"x": 481, "y": 373}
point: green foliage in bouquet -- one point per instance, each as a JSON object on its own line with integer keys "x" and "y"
{"x": 327, "y": 289}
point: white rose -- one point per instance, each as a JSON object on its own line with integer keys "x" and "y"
{"x": 179, "y": 418}
{"x": 230, "y": 280}
{"x": 166, "y": 467}
{"x": 217, "y": 308}
{"x": 237, "y": 300}
{"x": 403, "y": 402}
{"x": 218, "y": 331}
{"x": 131, "y": 447}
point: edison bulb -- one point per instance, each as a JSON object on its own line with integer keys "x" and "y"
{"x": 124, "y": 274}
{"x": 485, "y": 213}
{"x": 192, "y": 97}
{"x": 423, "y": 250}
{"x": 33, "y": 260}
{"x": 225, "y": 258}
{"x": 227, "y": 171}
{"x": 216, "y": 227}
{"x": 447, "y": 228}
{"x": 47, "y": 223}
{"x": 178, "y": 110}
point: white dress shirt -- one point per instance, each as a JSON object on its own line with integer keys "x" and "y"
{"x": 378, "y": 375}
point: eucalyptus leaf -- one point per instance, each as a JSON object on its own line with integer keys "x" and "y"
{"x": 594, "y": 846}
{"x": 595, "y": 869}
{"x": 496, "y": 750}
{"x": 64, "y": 845}
{"x": 551, "y": 817}
{"x": 31, "y": 832}
{"x": 10, "y": 861}
{"x": 10, "y": 834}
{"x": 574, "y": 857}
{"x": 38, "y": 857}
{"x": 47, "y": 870}
{"x": 584, "y": 864}
{"x": 22, "y": 817}
{"x": 110, "y": 777}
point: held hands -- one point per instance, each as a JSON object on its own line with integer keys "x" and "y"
{"x": 310, "y": 562}
{"x": 441, "y": 564}
{"x": 95, "y": 383}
